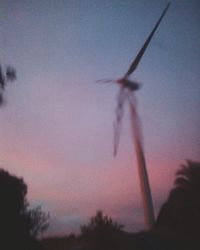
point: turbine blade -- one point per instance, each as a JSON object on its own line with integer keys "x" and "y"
{"x": 142, "y": 50}
{"x": 105, "y": 81}
{"x": 119, "y": 116}
{"x": 135, "y": 120}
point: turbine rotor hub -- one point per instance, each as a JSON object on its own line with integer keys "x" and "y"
{"x": 131, "y": 85}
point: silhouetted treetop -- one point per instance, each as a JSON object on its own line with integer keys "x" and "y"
{"x": 101, "y": 223}
{"x": 12, "y": 193}
{"x": 101, "y": 232}
{"x": 7, "y": 75}
{"x": 39, "y": 221}
{"x": 181, "y": 212}
{"x": 188, "y": 177}
{"x": 19, "y": 224}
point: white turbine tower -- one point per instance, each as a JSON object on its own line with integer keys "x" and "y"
{"x": 126, "y": 93}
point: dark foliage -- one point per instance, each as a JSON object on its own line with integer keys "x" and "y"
{"x": 19, "y": 225}
{"x": 39, "y": 221}
{"x": 61, "y": 243}
{"x": 101, "y": 232}
{"x": 9, "y": 75}
{"x": 1, "y": 99}
{"x": 179, "y": 217}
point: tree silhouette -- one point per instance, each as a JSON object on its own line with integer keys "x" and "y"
{"x": 39, "y": 221}
{"x": 100, "y": 233}
{"x": 180, "y": 214}
{"x": 18, "y": 226}
{"x": 8, "y": 75}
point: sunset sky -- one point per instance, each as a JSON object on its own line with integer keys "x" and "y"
{"x": 56, "y": 129}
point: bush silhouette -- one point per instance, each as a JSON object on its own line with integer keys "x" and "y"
{"x": 101, "y": 232}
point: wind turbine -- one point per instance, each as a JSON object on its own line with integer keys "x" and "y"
{"x": 126, "y": 93}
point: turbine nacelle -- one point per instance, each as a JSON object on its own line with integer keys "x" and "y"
{"x": 124, "y": 82}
